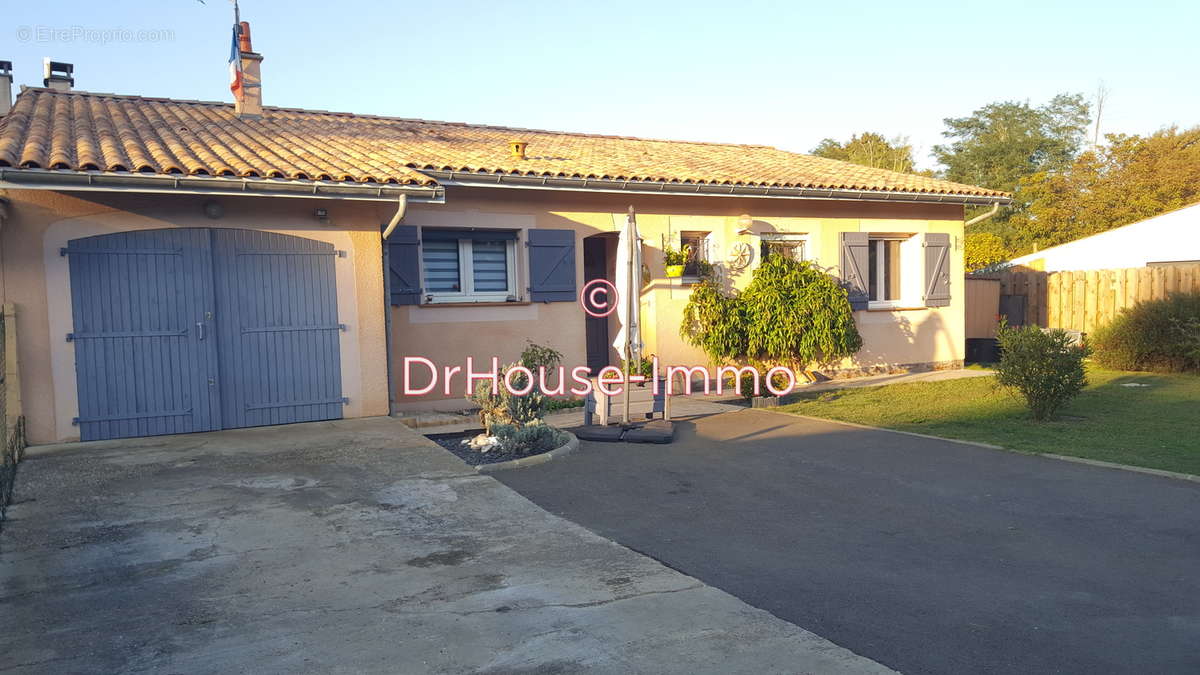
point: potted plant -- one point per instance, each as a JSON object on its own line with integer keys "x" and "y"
{"x": 674, "y": 260}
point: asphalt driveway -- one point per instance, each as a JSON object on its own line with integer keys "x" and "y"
{"x": 928, "y": 556}
{"x": 355, "y": 546}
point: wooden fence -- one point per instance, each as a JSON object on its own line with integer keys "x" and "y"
{"x": 1085, "y": 300}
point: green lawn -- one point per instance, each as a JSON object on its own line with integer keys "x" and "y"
{"x": 1157, "y": 426}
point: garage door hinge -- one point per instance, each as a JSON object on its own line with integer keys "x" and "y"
{"x": 74, "y": 421}
{"x": 342, "y": 327}
{"x": 70, "y": 337}
{"x": 341, "y": 253}
{"x": 345, "y": 400}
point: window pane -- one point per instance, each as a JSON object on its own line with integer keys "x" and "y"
{"x": 489, "y": 261}
{"x": 892, "y": 269}
{"x": 873, "y": 274}
{"x": 696, "y": 244}
{"x": 440, "y": 259}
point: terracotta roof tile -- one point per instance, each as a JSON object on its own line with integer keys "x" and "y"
{"x": 105, "y": 132}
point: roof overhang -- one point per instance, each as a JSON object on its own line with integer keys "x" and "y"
{"x": 497, "y": 180}
{"x": 99, "y": 181}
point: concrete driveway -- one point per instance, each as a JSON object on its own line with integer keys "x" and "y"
{"x": 927, "y": 556}
{"x": 342, "y": 547}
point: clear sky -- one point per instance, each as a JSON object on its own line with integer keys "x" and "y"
{"x": 777, "y": 73}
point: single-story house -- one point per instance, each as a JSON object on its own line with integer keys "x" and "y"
{"x": 1171, "y": 238}
{"x": 183, "y": 266}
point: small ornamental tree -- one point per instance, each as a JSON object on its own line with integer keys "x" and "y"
{"x": 792, "y": 313}
{"x": 1044, "y": 367}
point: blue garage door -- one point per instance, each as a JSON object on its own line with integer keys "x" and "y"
{"x": 198, "y": 329}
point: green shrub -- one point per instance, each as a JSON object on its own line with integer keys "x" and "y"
{"x": 529, "y": 439}
{"x": 778, "y": 380}
{"x": 790, "y": 313}
{"x": 1160, "y": 335}
{"x": 1046, "y": 367}
{"x": 503, "y": 407}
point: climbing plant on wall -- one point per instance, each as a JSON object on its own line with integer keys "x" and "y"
{"x": 791, "y": 313}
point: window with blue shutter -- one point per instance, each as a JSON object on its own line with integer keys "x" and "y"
{"x": 551, "y": 265}
{"x": 469, "y": 265}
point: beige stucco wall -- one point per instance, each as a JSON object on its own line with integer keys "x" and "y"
{"x": 36, "y": 279}
{"x": 448, "y": 334}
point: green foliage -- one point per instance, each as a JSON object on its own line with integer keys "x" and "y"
{"x": 999, "y": 144}
{"x": 536, "y": 356}
{"x": 1161, "y": 336}
{"x": 564, "y": 403}
{"x": 672, "y": 256}
{"x": 643, "y": 366}
{"x": 1130, "y": 179}
{"x": 791, "y": 312}
{"x": 715, "y": 322}
{"x": 870, "y": 149}
{"x": 1045, "y": 367}
{"x": 746, "y": 384}
{"x": 532, "y": 438}
{"x": 503, "y": 407}
{"x": 1147, "y": 425}
{"x": 984, "y": 249}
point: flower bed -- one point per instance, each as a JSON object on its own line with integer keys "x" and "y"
{"x": 457, "y": 444}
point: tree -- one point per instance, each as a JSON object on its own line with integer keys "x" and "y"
{"x": 791, "y": 313}
{"x": 870, "y": 149}
{"x": 1001, "y": 143}
{"x": 1129, "y": 179}
{"x": 984, "y": 249}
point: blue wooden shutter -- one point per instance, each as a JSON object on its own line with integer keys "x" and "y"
{"x": 404, "y": 266}
{"x": 937, "y": 269}
{"x": 855, "y": 263}
{"x": 551, "y": 265}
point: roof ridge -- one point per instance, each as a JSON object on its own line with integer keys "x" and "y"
{"x": 396, "y": 118}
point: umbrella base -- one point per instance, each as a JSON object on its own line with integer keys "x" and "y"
{"x": 654, "y": 431}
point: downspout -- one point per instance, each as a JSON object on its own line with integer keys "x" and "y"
{"x": 401, "y": 207}
{"x": 982, "y": 217}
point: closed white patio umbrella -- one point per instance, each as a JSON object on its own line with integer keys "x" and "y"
{"x": 629, "y": 291}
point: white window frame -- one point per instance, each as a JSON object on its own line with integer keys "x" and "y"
{"x": 909, "y": 252}
{"x": 466, "y": 277}
{"x": 789, "y": 236}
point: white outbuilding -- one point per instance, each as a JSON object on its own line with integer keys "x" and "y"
{"x": 1170, "y": 238}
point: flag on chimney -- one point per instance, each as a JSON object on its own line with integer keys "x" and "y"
{"x": 235, "y": 66}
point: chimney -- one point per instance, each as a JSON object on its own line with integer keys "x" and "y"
{"x": 251, "y": 104}
{"x": 517, "y": 148}
{"x": 5, "y": 87}
{"x": 57, "y": 76}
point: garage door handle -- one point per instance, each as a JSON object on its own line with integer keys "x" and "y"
{"x": 200, "y": 330}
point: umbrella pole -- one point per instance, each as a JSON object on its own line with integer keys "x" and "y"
{"x": 629, "y": 314}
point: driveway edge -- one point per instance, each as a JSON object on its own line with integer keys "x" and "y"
{"x": 1162, "y": 473}
{"x": 563, "y": 450}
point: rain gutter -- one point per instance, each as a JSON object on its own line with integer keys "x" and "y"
{"x": 97, "y": 181}
{"x": 493, "y": 180}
